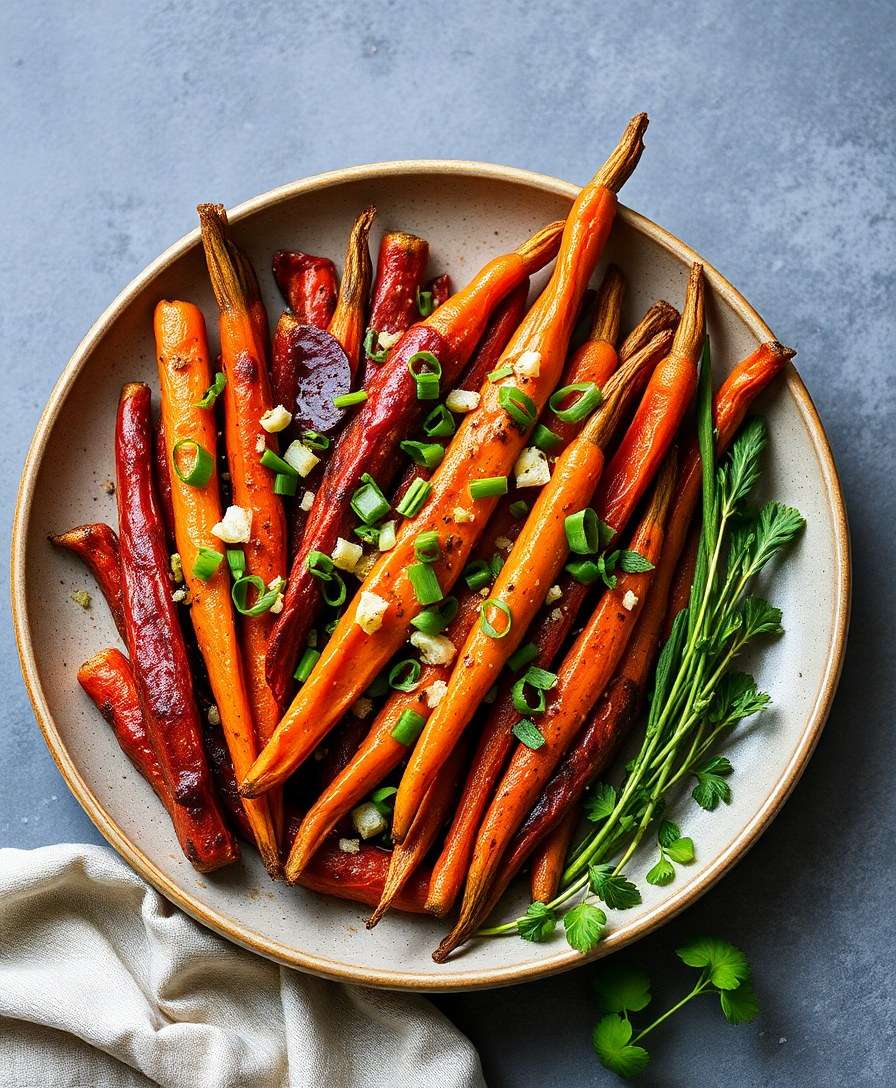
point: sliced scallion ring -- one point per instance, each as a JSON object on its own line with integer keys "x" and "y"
{"x": 518, "y": 405}
{"x": 583, "y": 532}
{"x": 433, "y": 621}
{"x": 408, "y": 727}
{"x": 404, "y": 674}
{"x": 439, "y": 423}
{"x": 425, "y": 582}
{"x": 378, "y": 355}
{"x": 202, "y": 467}
{"x": 206, "y": 563}
{"x": 265, "y": 596}
{"x": 486, "y": 624}
{"x": 213, "y": 392}
{"x": 589, "y": 398}
{"x": 426, "y": 546}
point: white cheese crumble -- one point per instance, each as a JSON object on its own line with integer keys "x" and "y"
{"x": 434, "y": 649}
{"x": 435, "y": 693}
{"x": 277, "y": 584}
{"x": 462, "y": 516}
{"x": 553, "y": 594}
{"x": 629, "y": 600}
{"x": 557, "y": 615}
{"x": 462, "y": 400}
{"x": 276, "y": 419}
{"x": 235, "y": 527}
{"x": 532, "y": 468}
{"x": 388, "y": 340}
{"x": 301, "y": 458}
{"x": 261, "y": 444}
{"x": 346, "y": 554}
{"x": 528, "y": 365}
{"x": 350, "y": 846}
{"x": 368, "y": 821}
{"x": 371, "y": 609}
{"x": 362, "y": 708}
{"x": 307, "y": 501}
{"x": 179, "y": 596}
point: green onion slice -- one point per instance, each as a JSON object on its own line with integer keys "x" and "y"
{"x": 527, "y": 732}
{"x": 320, "y": 565}
{"x": 315, "y": 441}
{"x": 368, "y": 502}
{"x": 488, "y": 487}
{"x": 276, "y": 463}
{"x": 545, "y": 439}
{"x": 584, "y": 571}
{"x": 428, "y": 454}
{"x": 427, "y": 547}
{"x": 408, "y": 727}
{"x": 583, "y": 405}
{"x": 414, "y": 498}
{"x": 518, "y": 405}
{"x": 477, "y": 574}
{"x": 207, "y": 562}
{"x": 495, "y": 564}
{"x": 541, "y": 679}
{"x": 425, "y": 582}
{"x": 202, "y": 467}
{"x": 425, "y": 304}
{"x": 520, "y": 703}
{"x": 265, "y": 596}
{"x": 236, "y": 560}
{"x": 485, "y": 623}
{"x": 306, "y": 663}
{"x": 378, "y": 688}
{"x": 213, "y": 392}
{"x": 439, "y": 423}
{"x": 521, "y": 657}
{"x": 404, "y": 675}
{"x": 501, "y": 372}
{"x": 519, "y": 509}
{"x": 370, "y": 534}
{"x": 433, "y": 621}
{"x": 347, "y": 400}
{"x": 285, "y": 483}
{"x": 427, "y": 379}
{"x": 583, "y": 532}
{"x": 377, "y": 355}
{"x": 333, "y": 590}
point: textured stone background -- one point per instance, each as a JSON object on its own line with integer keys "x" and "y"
{"x": 771, "y": 151}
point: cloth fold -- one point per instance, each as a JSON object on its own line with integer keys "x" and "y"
{"x": 105, "y": 983}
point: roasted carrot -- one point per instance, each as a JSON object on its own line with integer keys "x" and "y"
{"x": 97, "y": 546}
{"x": 184, "y": 376}
{"x": 581, "y": 678}
{"x": 155, "y": 642}
{"x": 400, "y": 268}
{"x": 408, "y": 855}
{"x": 247, "y": 397}
{"x": 489, "y": 438}
{"x": 360, "y": 877}
{"x": 440, "y": 289}
{"x": 350, "y": 316}
{"x": 163, "y": 479}
{"x": 392, "y": 409}
{"x": 108, "y": 680}
{"x": 547, "y": 864}
{"x": 666, "y": 398}
{"x": 309, "y": 286}
{"x": 528, "y": 571}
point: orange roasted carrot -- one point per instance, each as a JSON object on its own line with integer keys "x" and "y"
{"x": 97, "y": 546}
{"x": 517, "y": 594}
{"x": 666, "y": 398}
{"x": 547, "y": 865}
{"x": 581, "y": 678}
{"x": 488, "y": 438}
{"x": 350, "y": 316}
{"x": 247, "y": 397}
{"x": 407, "y": 856}
{"x": 184, "y": 376}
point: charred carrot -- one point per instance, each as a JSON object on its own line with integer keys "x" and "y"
{"x": 491, "y": 438}
{"x": 108, "y": 680}
{"x": 547, "y": 864}
{"x": 247, "y": 397}
{"x": 360, "y": 877}
{"x": 184, "y": 377}
{"x": 342, "y": 744}
{"x": 163, "y": 479}
{"x": 349, "y": 318}
{"x": 370, "y": 440}
{"x": 309, "y": 287}
{"x": 408, "y": 855}
{"x": 400, "y": 268}
{"x": 97, "y": 546}
{"x": 581, "y": 678}
{"x": 440, "y": 290}
{"x": 155, "y": 642}
{"x": 517, "y": 594}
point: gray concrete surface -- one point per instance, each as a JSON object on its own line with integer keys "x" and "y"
{"x": 771, "y": 151}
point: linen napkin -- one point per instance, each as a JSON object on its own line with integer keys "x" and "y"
{"x": 105, "y": 984}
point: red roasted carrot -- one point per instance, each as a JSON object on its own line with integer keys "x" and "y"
{"x": 108, "y": 680}
{"x": 247, "y": 397}
{"x": 370, "y": 440}
{"x": 309, "y": 286}
{"x": 155, "y": 642}
{"x": 97, "y": 546}
{"x": 489, "y": 438}
{"x": 519, "y": 590}
{"x": 547, "y": 864}
{"x": 440, "y": 289}
{"x": 581, "y": 678}
{"x": 163, "y": 479}
{"x": 349, "y": 318}
{"x": 360, "y": 877}
{"x": 400, "y": 268}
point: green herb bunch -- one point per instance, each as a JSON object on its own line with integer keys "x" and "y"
{"x": 697, "y": 697}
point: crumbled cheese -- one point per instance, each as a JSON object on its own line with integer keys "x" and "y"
{"x": 350, "y": 846}
{"x": 213, "y": 715}
{"x": 371, "y": 609}
{"x": 277, "y": 584}
{"x": 528, "y": 365}
{"x": 435, "y": 693}
{"x": 307, "y": 501}
{"x": 462, "y": 400}
{"x": 276, "y": 419}
{"x": 553, "y": 594}
{"x": 388, "y": 340}
{"x": 346, "y": 554}
{"x": 261, "y": 444}
{"x": 629, "y": 600}
{"x": 362, "y": 708}
{"x": 387, "y": 536}
{"x": 434, "y": 649}
{"x": 179, "y": 596}
{"x": 301, "y": 457}
{"x": 82, "y": 597}
{"x": 503, "y": 544}
{"x": 532, "y": 468}
{"x": 462, "y": 516}
{"x": 557, "y": 615}
{"x": 365, "y": 565}
{"x": 177, "y": 568}
{"x": 235, "y": 527}
{"x": 368, "y": 821}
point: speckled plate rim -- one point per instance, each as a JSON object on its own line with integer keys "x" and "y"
{"x": 456, "y": 978}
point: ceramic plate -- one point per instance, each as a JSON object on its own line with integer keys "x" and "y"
{"x": 469, "y": 212}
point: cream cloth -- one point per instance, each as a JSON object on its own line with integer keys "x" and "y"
{"x": 104, "y": 984}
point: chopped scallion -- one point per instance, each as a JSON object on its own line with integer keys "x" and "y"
{"x": 425, "y": 582}
{"x": 433, "y": 621}
{"x": 285, "y": 483}
{"x": 583, "y": 405}
{"x": 378, "y": 355}
{"x": 403, "y": 675}
{"x": 488, "y": 487}
{"x": 408, "y": 727}
{"x": 368, "y": 502}
{"x": 348, "y": 400}
{"x": 202, "y": 467}
{"x": 414, "y": 498}
{"x": 519, "y": 509}
{"x": 428, "y": 454}
{"x": 477, "y": 574}
{"x": 306, "y": 663}
{"x": 486, "y": 624}
{"x": 425, "y": 305}
{"x": 276, "y": 463}
{"x": 583, "y": 532}
{"x": 426, "y": 546}
{"x": 213, "y": 392}
{"x": 527, "y": 732}
{"x": 545, "y": 439}
{"x": 206, "y": 563}
{"x": 518, "y": 405}
{"x": 439, "y": 423}
{"x": 521, "y": 657}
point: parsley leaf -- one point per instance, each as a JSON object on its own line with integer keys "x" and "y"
{"x": 611, "y": 1041}
{"x": 682, "y": 850}
{"x": 668, "y": 833}
{"x": 778, "y": 525}
{"x": 616, "y": 891}
{"x": 584, "y": 925}
{"x": 622, "y": 989}
{"x": 736, "y": 697}
{"x": 740, "y": 1005}
{"x": 726, "y": 966}
{"x": 634, "y": 563}
{"x": 662, "y": 873}
{"x": 711, "y": 786}
{"x": 600, "y": 802}
{"x": 760, "y": 618}
{"x": 741, "y": 470}
{"x": 537, "y": 924}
